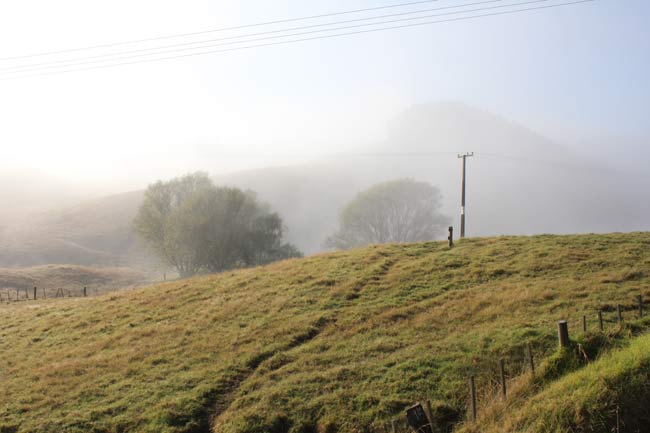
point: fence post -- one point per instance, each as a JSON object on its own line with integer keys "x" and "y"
{"x": 502, "y": 368}
{"x": 393, "y": 426}
{"x": 472, "y": 395}
{"x": 34, "y": 292}
{"x": 531, "y": 361}
{"x": 85, "y": 293}
{"x": 600, "y": 320}
{"x": 639, "y": 300}
{"x": 563, "y": 333}
{"x": 450, "y": 238}
{"x": 619, "y": 313}
{"x": 429, "y": 413}
{"x": 584, "y": 324}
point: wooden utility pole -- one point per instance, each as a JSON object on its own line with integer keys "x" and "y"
{"x": 462, "y": 200}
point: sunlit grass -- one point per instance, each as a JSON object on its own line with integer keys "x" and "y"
{"x": 339, "y": 341}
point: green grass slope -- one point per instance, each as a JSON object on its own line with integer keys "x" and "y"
{"x": 608, "y": 395}
{"x": 336, "y": 342}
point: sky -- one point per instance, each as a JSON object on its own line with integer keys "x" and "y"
{"x": 577, "y": 74}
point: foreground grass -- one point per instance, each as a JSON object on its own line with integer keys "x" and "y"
{"x": 611, "y": 391}
{"x": 336, "y": 342}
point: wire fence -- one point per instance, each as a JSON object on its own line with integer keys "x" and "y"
{"x": 10, "y": 295}
{"x": 420, "y": 418}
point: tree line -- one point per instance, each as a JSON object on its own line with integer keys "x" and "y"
{"x": 195, "y": 226}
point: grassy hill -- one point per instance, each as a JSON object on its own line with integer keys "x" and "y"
{"x": 335, "y": 342}
{"x": 95, "y": 232}
{"x": 608, "y": 395}
{"x": 73, "y": 277}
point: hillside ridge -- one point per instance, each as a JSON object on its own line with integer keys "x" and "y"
{"x": 337, "y": 342}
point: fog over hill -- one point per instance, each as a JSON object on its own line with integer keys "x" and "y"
{"x": 519, "y": 182}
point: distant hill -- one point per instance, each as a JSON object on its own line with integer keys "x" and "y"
{"x": 344, "y": 342}
{"x": 96, "y": 232}
{"x": 519, "y": 182}
{"x": 70, "y": 277}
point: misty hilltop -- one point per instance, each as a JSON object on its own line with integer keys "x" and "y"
{"x": 519, "y": 182}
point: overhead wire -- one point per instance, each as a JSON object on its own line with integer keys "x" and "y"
{"x": 590, "y": 168}
{"x": 302, "y": 39}
{"x": 222, "y": 29}
{"x": 31, "y": 66}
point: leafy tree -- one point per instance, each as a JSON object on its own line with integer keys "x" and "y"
{"x": 194, "y": 226}
{"x": 396, "y": 211}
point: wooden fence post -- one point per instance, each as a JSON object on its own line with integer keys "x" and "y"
{"x": 472, "y": 396}
{"x": 584, "y": 324}
{"x": 600, "y": 320}
{"x": 563, "y": 333}
{"x": 450, "y": 238}
{"x": 429, "y": 413}
{"x": 619, "y": 313}
{"x": 85, "y": 293}
{"x": 502, "y": 368}
{"x": 393, "y": 426}
{"x": 34, "y": 292}
{"x": 531, "y": 361}
{"x": 639, "y": 300}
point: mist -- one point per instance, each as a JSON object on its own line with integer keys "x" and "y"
{"x": 557, "y": 121}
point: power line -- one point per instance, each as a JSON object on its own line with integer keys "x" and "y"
{"x": 24, "y": 67}
{"x": 29, "y": 69}
{"x": 299, "y": 40}
{"x": 560, "y": 165}
{"x": 334, "y": 155}
{"x": 222, "y": 29}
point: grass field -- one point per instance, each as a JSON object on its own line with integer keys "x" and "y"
{"x": 608, "y": 395}
{"x": 335, "y": 342}
{"x": 69, "y": 277}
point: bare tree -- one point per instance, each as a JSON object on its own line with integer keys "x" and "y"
{"x": 397, "y": 211}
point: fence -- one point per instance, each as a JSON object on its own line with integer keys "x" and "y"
{"x": 35, "y": 293}
{"x": 419, "y": 418}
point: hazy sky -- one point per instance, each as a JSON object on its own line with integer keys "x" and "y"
{"x": 578, "y": 74}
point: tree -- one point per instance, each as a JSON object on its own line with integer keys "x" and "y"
{"x": 397, "y": 211}
{"x": 194, "y": 226}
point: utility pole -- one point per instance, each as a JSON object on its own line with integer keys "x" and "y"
{"x": 462, "y": 200}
